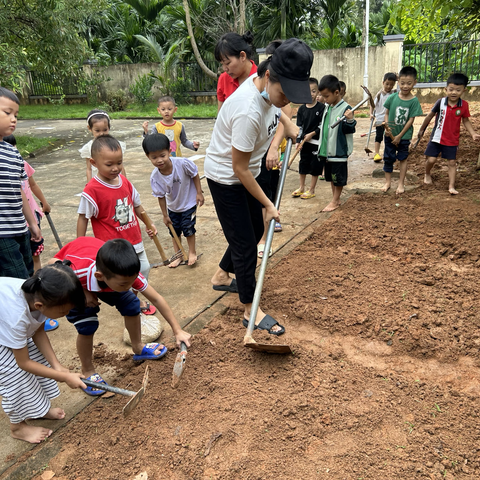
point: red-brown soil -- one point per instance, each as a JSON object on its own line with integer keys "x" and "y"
{"x": 381, "y": 306}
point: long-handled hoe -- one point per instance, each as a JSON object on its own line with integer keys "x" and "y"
{"x": 248, "y": 341}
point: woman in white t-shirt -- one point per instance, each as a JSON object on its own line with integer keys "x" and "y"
{"x": 29, "y": 369}
{"x": 243, "y": 131}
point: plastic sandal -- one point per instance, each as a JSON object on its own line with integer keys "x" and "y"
{"x": 278, "y": 227}
{"x": 261, "y": 249}
{"x": 92, "y": 391}
{"x": 48, "y": 327}
{"x": 147, "y": 352}
{"x": 307, "y": 195}
{"x": 297, "y": 193}
{"x": 148, "y": 310}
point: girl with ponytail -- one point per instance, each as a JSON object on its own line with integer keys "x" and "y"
{"x": 29, "y": 369}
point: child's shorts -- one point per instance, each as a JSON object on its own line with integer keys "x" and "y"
{"x": 337, "y": 173}
{"x": 309, "y": 163}
{"x": 184, "y": 222}
{"x": 379, "y": 132}
{"x": 434, "y": 149}
{"x": 16, "y": 257}
{"x": 86, "y": 322}
{"x": 394, "y": 152}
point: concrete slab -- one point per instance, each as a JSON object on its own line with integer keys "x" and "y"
{"x": 61, "y": 174}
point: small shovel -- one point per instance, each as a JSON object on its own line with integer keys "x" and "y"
{"x": 248, "y": 341}
{"x": 179, "y": 366}
{"x": 165, "y": 260}
{"x": 136, "y": 396}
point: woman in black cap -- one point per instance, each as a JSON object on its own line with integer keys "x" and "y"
{"x": 243, "y": 131}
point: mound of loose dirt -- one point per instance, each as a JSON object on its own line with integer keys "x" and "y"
{"x": 381, "y": 306}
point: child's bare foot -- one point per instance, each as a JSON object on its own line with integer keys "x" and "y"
{"x": 55, "y": 414}
{"x": 452, "y": 191}
{"x": 192, "y": 258}
{"x": 175, "y": 263}
{"x": 386, "y": 187}
{"x": 400, "y": 190}
{"x": 29, "y": 433}
{"x": 331, "y": 206}
{"x": 427, "y": 179}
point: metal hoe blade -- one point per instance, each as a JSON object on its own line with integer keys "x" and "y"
{"x": 248, "y": 340}
{"x": 136, "y": 396}
{"x": 179, "y": 366}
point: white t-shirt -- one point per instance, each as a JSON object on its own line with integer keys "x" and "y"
{"x": 245, "y": 122}
{"x": 379, "y": 107}
{"x": 178, "y": 187}
{"x": 17, "y": 322}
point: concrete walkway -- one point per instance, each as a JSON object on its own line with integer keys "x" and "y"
{"x": 61, "y": 174}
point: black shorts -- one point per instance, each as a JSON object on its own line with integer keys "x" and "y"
{"x": 379, "y": 132}
{"x": 434, "y": 149}
{"x": 337, "y": 173}
{"x": 184, "y": 222}
{"x": 309, "y": 163}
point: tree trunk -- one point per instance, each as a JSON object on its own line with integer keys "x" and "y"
{"x": 198, "y": 57}
{"x": 242, "y": 18}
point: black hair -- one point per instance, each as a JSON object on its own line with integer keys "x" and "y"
{"x": 342, "y": 85}
{"x": 408, "y": 72}
{"x": 155, "y": 142}
{"x": 5, "y": 92}
{"x": 265, "y": 65}
{"x": 455, "y": 78}
{"x": 96, "y": 115}
{"x": 117, "y": 257}
{"x": 11, "y": 140}
{"x": 56, "y": 285}
{"x": 232, "y": 44}
{"x": 313, "y": 80}
{"x": 105, "y": 141}
{"x": 330, "y": 83}
{"x": 392, "y": 77}
{"x": 166, "y": 98}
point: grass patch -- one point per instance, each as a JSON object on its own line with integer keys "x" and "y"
{"x": 52, "y": 112}
{"x": 27, "y": 144}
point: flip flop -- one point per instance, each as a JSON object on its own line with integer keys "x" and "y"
{"x": 147, "y": 352}
{"x": 92, "y": 391}
{"x": 48, "y": 327}
{"x": 227, "y": 288}
{"x": 261, "y": 250}
{"x": 278, "y": 227}
{"x": 297, "y": 193}
{"x": 267, "y": 324}
{"x": 148, "y": 310}
{"x": 307, "y": 195}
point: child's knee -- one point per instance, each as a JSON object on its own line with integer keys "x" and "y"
{"x": 87, "y": 326}
{"x": 452, "y": 163}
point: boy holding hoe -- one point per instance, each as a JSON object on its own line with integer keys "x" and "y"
{"x": 450, "y": 111}
{"x": 400, "y": 111}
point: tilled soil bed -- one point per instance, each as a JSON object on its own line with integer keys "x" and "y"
{"x": 381, "y": 306}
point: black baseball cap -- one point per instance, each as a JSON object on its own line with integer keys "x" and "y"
{"x": 292, "y": 62}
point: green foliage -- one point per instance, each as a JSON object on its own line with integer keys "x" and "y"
{"x": 12, "y": 72}
{"x": 142, "y": 89}
{"x": 426, "y": 20}
{"x": 179, "y": 89}
{"x": 43, "y": 35}
{"x": 116, "y": 102}
{"x": 26, "y": 144}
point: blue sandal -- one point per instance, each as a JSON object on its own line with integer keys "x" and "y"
{"x": 48, "y": 327}
{"x": 92, "y": 390}
{"x": 147, "y": 352}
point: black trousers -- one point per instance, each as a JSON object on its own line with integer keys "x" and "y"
{"x": 240, "y": 215}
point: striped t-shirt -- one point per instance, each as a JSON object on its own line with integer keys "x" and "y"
{"x": 12, "y": 172}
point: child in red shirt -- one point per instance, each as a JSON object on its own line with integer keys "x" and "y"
{"x": 449, "y": 112}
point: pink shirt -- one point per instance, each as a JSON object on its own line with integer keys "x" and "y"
{"x": 34, "y": 207}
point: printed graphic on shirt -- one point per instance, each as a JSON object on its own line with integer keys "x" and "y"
{"x": 401, "y": 115}
{"x": 272, "y": 128}
{"x": 170, "y": 134}
{"x": 124, "y": 214}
